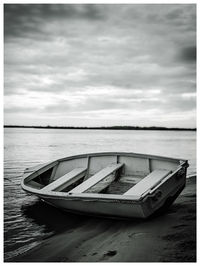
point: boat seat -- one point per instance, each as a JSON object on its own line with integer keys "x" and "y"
{"x": 65, "y": 180}
{"x": 93, "y": 180}
{"x": 148, "y": 182}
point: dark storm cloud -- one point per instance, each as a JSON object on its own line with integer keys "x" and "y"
{"x": 22, "y": 19}
{"x": 188, "y": 54}
{"x": 82, "y": 59}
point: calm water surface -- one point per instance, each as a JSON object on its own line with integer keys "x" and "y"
{"x": 26, "y": 219}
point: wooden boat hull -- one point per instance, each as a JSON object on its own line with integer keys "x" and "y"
{"x": 115, "y": 208}
{"x": 141, "y": 205}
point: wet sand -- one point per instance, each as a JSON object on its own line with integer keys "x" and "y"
{"x": 168, "y": 237}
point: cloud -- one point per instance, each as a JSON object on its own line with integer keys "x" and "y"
{"x": 188, "y": 54}
{"x": 92, "y": 58}
{"x": 24, "y": 19}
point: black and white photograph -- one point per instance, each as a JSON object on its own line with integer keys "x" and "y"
{"x": 99, "y": 132}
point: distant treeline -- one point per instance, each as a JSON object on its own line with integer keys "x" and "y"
{"x": 104, "y": 128}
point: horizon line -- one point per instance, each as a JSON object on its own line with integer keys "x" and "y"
{"x": 103, "y": 127}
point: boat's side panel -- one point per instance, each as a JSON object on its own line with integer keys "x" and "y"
{"x": 40, "y": 170}
{"x": 170, "y": 189}
{"x": 97, "y": 163}
{"x": 35, "y": 168}
{"x": 98, "y": 207}
{"x": 150, "y": 206}
{"x": 133, "y": 165}
{"x": 165, "y": 192}
{"x": 65, "y": 167}
{"x": 160, "y": 164}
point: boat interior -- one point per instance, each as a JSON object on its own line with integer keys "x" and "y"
{"x": 105, "y": 174}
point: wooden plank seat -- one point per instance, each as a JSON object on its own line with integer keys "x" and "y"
{"x": 102, "y": 185}
{"x": 148, "y": 182}
{"x": 99, "y": 176}
{"x": 66, "y": 180}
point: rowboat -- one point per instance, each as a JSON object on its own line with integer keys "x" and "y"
{"x": 114, "y": 184}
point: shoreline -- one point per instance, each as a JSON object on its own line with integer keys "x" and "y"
{"x": 169, "y": 237}
{"x": 105, "y": 128}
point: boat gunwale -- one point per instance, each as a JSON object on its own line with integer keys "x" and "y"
{"x": 129, "y": 154}
{"x": 89, "y": 197}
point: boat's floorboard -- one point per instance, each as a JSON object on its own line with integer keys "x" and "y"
{"x": 117, "y": 187}
{"x": 122, "y": 185}
{"x": 134, "y": 179}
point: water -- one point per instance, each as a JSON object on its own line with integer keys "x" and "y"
{"x": 27, "y": 221}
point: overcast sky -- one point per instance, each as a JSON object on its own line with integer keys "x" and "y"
{"x": 100, "y": 65}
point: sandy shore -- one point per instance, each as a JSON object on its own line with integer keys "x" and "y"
{"x": 170, "y": 237}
